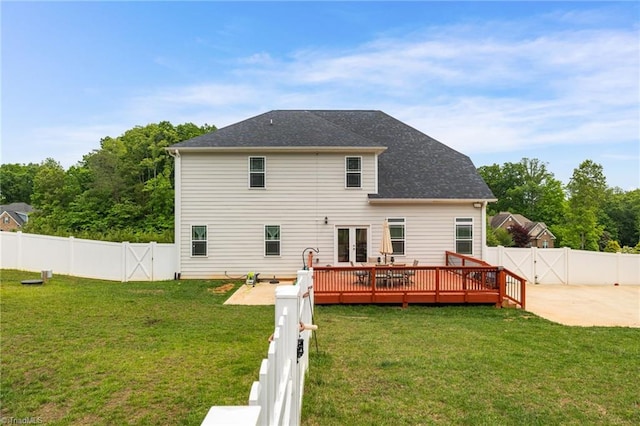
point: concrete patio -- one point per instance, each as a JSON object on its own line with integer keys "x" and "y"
{"x": 576, "y": 305}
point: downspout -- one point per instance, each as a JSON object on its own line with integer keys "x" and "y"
{"x": 483, "y": 246}
{"x": 177, "y": 209}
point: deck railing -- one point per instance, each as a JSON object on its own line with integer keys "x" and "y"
{"x": 514, "y": 285}
{"x": 463, "y": 280}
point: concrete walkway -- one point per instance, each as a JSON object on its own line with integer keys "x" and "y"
{"x": 586, "y": 305}
{"x": 263, "y": 293}
{"x": 581, "y": 305}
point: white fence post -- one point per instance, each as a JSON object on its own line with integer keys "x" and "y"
{"x": 567, "y": 253}
{"x": 19, "y": 250}
{"x": 278, "y": 393}
{"x": 288, "y": 298}
{"x": 125, "y": 249}
{"x": 71, "y": 254}
{"x": 152, "y": 248}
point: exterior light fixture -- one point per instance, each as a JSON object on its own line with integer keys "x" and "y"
{"x": 477, "y": 205}
{"x": 326, "y": 220}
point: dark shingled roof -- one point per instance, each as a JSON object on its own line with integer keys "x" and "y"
{"x": 414, "y": 166}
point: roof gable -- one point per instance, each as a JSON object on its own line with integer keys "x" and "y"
{"x": 17, "y": 218}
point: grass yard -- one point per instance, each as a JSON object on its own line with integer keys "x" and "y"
{"x": 80, "y": 351}
{"x": 470, "y": 365}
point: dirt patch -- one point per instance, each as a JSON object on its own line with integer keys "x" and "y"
{"x": 222, "y": 289}
{"x": 51, "y": 412}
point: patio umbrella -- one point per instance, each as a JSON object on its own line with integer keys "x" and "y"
{"x": 385, "y": 244}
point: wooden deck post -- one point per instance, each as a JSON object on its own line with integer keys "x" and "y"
{"x": 502, "y": 286}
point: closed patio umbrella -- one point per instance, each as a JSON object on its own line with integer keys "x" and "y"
{"x": 385, "y": 244}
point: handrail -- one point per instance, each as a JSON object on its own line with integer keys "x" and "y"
{"x": 464, "y": 258}
{"x": 514, "y": 285}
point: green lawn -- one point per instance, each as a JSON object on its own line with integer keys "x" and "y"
{"x": 79, "y": 351}
{"x": 471, "y": 365}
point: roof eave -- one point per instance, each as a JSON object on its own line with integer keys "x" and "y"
{"x": 471, "y": 201}
{"x": 279, "y": 149}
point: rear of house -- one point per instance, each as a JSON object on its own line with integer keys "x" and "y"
{"x": 255, "y": 195}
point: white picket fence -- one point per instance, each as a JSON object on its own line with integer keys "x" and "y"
{"x": 276, "y": 399}
{"x": 567, "y": 266}
{"x": 87, "y": 258}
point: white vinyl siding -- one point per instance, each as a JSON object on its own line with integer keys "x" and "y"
{"x": 303, "y": 190}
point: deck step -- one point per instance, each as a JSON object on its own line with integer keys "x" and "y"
{"x": 508, "y": 303}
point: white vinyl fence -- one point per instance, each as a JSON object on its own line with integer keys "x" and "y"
{"x": 276, "y": 399}
{"x": 87, "y": 258}
{"x": 567, "y": 266}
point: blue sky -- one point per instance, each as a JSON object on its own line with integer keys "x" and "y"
{"x": 498, "y": 81}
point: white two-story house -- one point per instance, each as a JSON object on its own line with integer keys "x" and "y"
{"x": 254, "y": 195}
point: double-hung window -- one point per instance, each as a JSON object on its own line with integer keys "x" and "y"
{"x": 397, "y": 231}
{"x": 353, "y": 172}
{"x": 257, "y": 172}
{"x": 199, "y": 240}
{"x": 272, "y": 240}
{"x": 464, "y": 235}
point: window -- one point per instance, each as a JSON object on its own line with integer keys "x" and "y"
{"x": 353, "y": 172}
{"x": 464, "y": 235}
{"x": 5, "y": 219}
{"x": 272, "y": 240}
{"x": 257, "y": 172}
{"x": 199, "y": 240}
{"x": 396, "y": 229}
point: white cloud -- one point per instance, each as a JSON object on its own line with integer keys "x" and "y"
{"x": 66, "y": 144}
{"x": 477, "y": 88}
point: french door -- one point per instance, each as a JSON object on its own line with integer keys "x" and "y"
{"x": 352, "y": 244}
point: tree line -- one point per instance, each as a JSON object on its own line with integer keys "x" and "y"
{"x": 124, "y": 191}
{"x": 585, "y": 214}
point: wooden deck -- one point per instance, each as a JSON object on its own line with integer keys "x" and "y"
{"x": 383, "y": 284}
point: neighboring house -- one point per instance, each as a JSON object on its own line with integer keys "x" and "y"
{"x": 539, "y": 234}
{"x": 255, "y": 195}
{"x": 14, "y": 215}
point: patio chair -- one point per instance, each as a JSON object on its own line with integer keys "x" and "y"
{"x": 362, "y": 275}
{"x": 410, "y": 272}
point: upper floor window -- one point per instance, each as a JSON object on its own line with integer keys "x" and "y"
{"x": 464, "y": 235}
{"x": 397, "y": 231}
{"x": 199, "y": 240}
{"x": 353, "y": 166}
{"x": 257, "y": 172}
{"x": 272, "y": 240}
